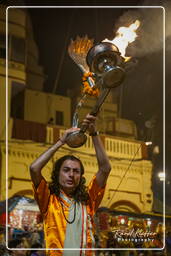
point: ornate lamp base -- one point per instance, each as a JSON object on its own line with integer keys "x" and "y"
{"x": 76, "y": 139}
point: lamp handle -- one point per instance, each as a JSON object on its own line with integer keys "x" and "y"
{"x": 96, "y": 107}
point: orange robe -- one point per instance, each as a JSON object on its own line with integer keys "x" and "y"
{"x": 54, "y": 221}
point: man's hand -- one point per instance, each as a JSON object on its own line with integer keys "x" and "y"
{"x": 63, "y": 138}
{"x": 90, "y": 122}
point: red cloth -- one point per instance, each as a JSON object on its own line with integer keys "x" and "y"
{"x": 3, "y": 219}
{"x": 27, "y": 130}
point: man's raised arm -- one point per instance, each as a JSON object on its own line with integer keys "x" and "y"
{"x": 37, "y": 166}
{"x": 104, "y": 166}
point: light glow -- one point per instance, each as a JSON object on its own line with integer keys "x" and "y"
{"x": 162, "y": 176}
{"x": 149, "y": 222}
{"x": 122, "y": 221}
{"x": 124, "y": 36}
{"x": 147, "y": 143}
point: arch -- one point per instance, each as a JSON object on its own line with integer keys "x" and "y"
{"x": 125, "y": 205}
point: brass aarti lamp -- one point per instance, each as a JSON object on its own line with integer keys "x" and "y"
{"x": 107, "y": 65}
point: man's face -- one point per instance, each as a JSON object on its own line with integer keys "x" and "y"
{"x": 69, "y": 175}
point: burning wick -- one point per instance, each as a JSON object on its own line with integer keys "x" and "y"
{"x": 124, "y": 36}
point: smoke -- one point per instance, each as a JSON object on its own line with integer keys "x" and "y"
{"x": 151, "y": 31}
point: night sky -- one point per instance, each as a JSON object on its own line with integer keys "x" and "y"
{"x": 142, "y": 91}
{"x": 58, "y": 27}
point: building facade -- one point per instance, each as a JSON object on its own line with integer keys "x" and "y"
{"x": 36, "y": 119}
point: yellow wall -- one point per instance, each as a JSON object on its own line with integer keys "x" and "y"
{"x": 107, "y": 112}
{"x": 133, "y": 194}
{"x": 18, "y": 27}
{"x": 5, "y": 95}
{"x": 44, "y": 106}
{"x": 2, "y": 108}
{"x": 107, "y": 121}
{"x": 16, "y": 71}
{"x": 40, "y": 107}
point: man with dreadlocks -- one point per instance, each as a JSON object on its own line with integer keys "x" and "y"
{"x": 66, "y": 204}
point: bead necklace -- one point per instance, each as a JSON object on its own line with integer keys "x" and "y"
{"x": 72, "y": 221}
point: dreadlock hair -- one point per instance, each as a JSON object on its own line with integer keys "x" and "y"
{"x": 80, "y": 194}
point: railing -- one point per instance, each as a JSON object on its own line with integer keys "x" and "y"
{"x": 123, "y": 149}
{"x": 49, "y": 135}
{"x": 115, "y": 147}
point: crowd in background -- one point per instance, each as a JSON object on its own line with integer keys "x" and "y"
{"x": 23, "y": 238}
{"x": 34, "y": 238}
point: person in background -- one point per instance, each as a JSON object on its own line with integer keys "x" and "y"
{"x": 18, "y": 244}
{"x": 36, "y": 252}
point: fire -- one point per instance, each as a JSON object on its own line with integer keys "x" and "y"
{"x": 124, "y": 36}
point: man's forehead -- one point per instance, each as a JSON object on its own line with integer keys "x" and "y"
{"x": 71, "y": 163}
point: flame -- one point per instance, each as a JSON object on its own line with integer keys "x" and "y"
{"x": 124, "y": 36}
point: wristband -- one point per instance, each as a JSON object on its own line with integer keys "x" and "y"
{"x": 96, "y": 133}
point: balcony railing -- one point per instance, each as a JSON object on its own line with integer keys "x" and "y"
{"x": 123, "y": 149}
{"x": 115, "y": 147}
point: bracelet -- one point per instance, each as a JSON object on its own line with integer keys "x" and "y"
{"x": 96, "y": 133}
